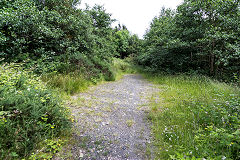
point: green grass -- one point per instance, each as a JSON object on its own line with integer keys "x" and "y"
{"x": 75, "y": 82}
{"x": 195, "y": 117}
{"x": 69, "y": 84}
{"x": 121, "y": 67}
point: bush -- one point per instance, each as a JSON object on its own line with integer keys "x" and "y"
{"x": 29, "y": 113}
{"x": 55, "y": 36}
{"x": 200, "y": 36}
{"x": 120, "y": 67}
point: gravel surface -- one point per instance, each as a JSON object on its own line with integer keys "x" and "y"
{"x": 111, "y": 122}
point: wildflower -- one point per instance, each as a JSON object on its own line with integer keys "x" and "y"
{"x": 231, "y": 144}
{"x": 42, "y": 99}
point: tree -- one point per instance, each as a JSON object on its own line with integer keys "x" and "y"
{"x": 214, "y": 32}
{"x": 56, "y": 36}
{"x": 121, "y": 39}
{"x": 202, "y": 36}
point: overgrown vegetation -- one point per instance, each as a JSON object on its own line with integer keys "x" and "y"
{"x": 67, "y": 84}
{"x": 195, "y": 117}
{"x": 29, "y": 113}
{"x": 124, "y": 66}
{"x": 200, "y": 37}
{"x": 55, "y": 36}
{"x": 71, "y": 48}
{"x": 74, "y": 82}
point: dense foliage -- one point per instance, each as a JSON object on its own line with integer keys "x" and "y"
{"x": 126, "y": 44}
{"x": 70, "y": 47}
{"x": 200, "y": 37}
{"x": 29, "y": 113}
{"x": 55, "y": 36}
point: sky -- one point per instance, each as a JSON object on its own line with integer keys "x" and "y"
{"x": 135, "y": 14}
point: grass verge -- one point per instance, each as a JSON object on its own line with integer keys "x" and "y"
{"x": 195, "y": 118}
{"x": 70, "y": 84}
{"x": 67, "y": 84}
{"x": 75, "y": 82}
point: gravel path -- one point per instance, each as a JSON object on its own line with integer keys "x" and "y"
{"x": 111, "y": 122}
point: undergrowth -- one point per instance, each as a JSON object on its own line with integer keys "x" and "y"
{"x": 195, "y": 118}
{"x": 33, "y": 118}
{"x": 29, "y": 113}
{"x": 75, "y": 82}
{"x": 123, "y": 66}
{"x": 68, "y": 84}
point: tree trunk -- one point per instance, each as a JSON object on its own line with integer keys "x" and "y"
{"x": 212, "y": 59}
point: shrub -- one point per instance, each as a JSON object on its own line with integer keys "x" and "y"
{"x": 29, "y": 112}
{"x": 55, "y": 36}
{"x": 125, "y": 66}
{"x": 200, "y": 36}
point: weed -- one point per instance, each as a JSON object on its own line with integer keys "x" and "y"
{"x": 130, "y": 123}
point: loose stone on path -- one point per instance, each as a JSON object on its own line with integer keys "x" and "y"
{"x": 111, "y": 122}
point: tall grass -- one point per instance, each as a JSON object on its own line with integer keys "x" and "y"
{"x": 75, "y": 82}
{"x": 195, "y": 117}
{"x": 70, "y": 83}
